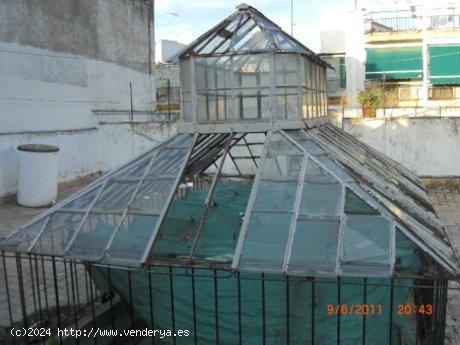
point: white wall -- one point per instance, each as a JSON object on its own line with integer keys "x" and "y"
{"x": 62, "y": 66}
{"x": 427, "y": 146}
{"x": 166, "y": 49}
{"x": 342, "y": 32}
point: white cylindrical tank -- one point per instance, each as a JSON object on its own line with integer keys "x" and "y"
{"x": 37, "y": 177}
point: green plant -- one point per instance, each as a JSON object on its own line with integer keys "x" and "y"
{"x": 371, "y": 97}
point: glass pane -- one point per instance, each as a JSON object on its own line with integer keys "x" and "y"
{"x": 94, "y": 236}
{"x": 317, "y": 175}
{"x": 174, "y": 239}
{"x": 152, "y": 195}
{"x": 283, "y": 161}
{"x": 267, "y": 233}
{"x": 314, "y": 248}
{"x": 21, "y": 241}
{"x": 129, "y": 243}
{"x": 83, "y": 201}
{"x": 321, "y": 200}
{"x": 220, "y": 232}
{"x": 366, "y": 246}
{"x": 115, "y": 196}
{"x": 57, "y": 234}
{"x": 268, "y": 230}
{"x": 275, "y": 197}
{"x": 322, "y": 193}
{"x": 355, "y": 205}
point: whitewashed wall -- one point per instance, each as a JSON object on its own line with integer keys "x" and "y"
{"x": 61, "y": 67}
{"x": 427, "y": 146}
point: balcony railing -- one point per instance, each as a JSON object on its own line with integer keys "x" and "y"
{"x": 407, "y": 21}
{"x": 391, "y": 24}
{"x": 447, "y": 21}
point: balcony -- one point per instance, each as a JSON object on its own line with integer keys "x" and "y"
{"x": 400, "y": 21}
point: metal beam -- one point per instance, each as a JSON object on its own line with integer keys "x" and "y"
{"x": 168, "y": 202}
{"x": 251, "y": 201}
{"x": 207, "y": 203}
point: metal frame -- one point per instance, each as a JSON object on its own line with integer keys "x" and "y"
{"x": 27, "y": 315}
{"x": 252, "y": 197}
{"x": 163, "y": 213}
{"x": 207, "y": 203}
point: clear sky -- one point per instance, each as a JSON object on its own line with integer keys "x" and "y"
{"x": 184, "y": 20}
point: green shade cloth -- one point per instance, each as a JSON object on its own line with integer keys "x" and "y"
{"x": 264, "y": 307}
{"x": 395, "y": 62}
{"x": 444, "y": 64}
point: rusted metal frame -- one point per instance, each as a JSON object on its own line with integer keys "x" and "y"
{"x": 240, "y": 24}
{"x": 345, "y": 185}
{"x": 384, "y": 188}
{"x": 86, "y": 189}
{"x": 85, "y": 216}
{"x": 202, "y": 143}
{"x": 267, "y": 34}
{"x": 213, "y": 35}
{"x": 210, "y": 159}
{"x": 412, "y": 184}
{"x": 204, "y": 150}
{"x": 250, "y": 152}
{"x": 296, "y": 208}
{"x": 234, "y": 163}
{"x": 264, "y": 36}
{"x": 251, "y": 201}
{"x": 217, "y": 140}
{"x": 379, "y": 165}
{"x": 207, "y": 159}
{"x": 243, "y": 34}
{"x": 391, "y": 193}
{"x": 209, "y": 197}
{"x": 385, "y": 160}
{"x": 127, "y": 206}
{"x": 243, "y": 157}
{"x": 219, "y": 154}
{"x": 428, "y": 242}
{"x": 385, "y": 206}
{"x": 168, "y": 202}
{"x": 190, "y": 48}
{"x": 231, "y": 39}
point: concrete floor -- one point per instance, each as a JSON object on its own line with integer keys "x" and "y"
{"x": 446, "y": 199}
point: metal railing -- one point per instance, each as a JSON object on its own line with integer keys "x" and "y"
{"x": 392, "y": 24}
{"x": 447, "y": 21}
{"x": 408, "y": 21}
{"x": 44, "y": 292}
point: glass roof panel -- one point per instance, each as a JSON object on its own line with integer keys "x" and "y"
{"x": 23, "y": 239}
{"x": 314, "y": 248}
{"x": 366, "y": 249}
{"x": 271, "y": 212}
{"x": 128, "y": 244}
{"x": 57, "y": 233}
{"x": 322, "y": 194}
{"x": 246, "y": 31}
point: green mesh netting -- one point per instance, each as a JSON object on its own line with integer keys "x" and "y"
{"x": 263, "y": 303}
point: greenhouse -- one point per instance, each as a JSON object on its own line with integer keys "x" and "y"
{"x": 260, "y": 222}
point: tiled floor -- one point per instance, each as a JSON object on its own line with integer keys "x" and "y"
{"x": 446, "y": 200}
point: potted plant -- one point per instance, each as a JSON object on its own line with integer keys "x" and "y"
{"x": 370, "y": 99}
